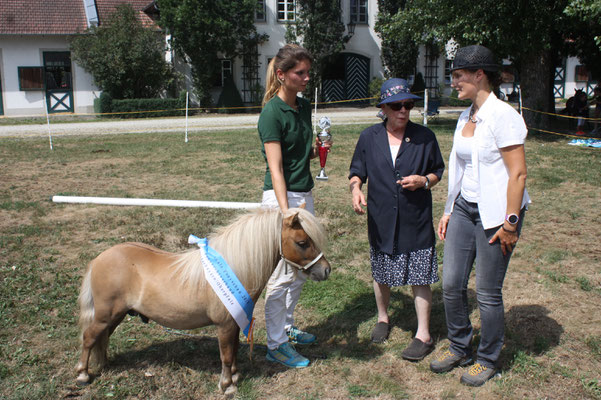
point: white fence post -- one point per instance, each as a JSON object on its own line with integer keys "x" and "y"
{"x": 186, "y": 117}
{"x": 425, "y": 107}
{"x": 48, "y": 121}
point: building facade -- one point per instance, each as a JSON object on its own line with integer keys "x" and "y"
{"x": 37, "y": 73}
{"x": 347, "y": 75}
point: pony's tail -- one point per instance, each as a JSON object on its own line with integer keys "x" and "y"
{"x": 98, "y": 353}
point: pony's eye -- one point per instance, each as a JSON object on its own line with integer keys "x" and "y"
{"x": 303, "y": 244}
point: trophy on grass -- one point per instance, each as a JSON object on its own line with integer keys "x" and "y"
{"x": 324, "y": 136}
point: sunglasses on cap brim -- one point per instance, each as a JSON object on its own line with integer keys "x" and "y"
{"x": 397, "y": 106}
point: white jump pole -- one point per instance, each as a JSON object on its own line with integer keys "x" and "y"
{"x": 520, "y": 93}
{"x": 186, "y": 117}
{"x": 153, "y": 202}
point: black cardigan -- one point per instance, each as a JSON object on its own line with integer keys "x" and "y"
{"x": 394, "y": 215}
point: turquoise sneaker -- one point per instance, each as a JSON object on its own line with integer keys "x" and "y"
{"x": 297, "y": 336}
{"x": 287, "y": 355}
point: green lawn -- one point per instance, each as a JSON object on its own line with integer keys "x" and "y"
{"x": 552, "y": 289}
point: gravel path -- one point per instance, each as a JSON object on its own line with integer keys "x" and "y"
{"x": 210, "y": 122}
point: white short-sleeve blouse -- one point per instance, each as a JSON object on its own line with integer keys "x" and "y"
{"x": 498, "y": 126}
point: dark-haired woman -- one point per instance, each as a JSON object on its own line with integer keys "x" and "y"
{"x": 483, "y": 215}
{"x": 287, "y": 138}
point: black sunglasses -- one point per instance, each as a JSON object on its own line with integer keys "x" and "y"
{"x": 397, "y": 106}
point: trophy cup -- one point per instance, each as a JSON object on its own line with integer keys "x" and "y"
{"x": 324, "y": 136}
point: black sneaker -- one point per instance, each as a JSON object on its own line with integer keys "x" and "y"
{"x": 477, "y": 375}
{"x": 448, "y": 360}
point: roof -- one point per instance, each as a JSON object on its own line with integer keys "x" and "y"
{"x": 107, "y": 7}
{"x": 59, "y": 17}
{"x": 42, "y": 17}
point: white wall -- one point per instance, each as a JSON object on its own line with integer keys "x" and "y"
{"x": 27, "y": 51}
{"x": 571, "y": 84}
{"x": 365, "y": 41}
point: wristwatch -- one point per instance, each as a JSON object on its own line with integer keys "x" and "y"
{"x": 512, "y": 218}
{"x": 427, "y": 185}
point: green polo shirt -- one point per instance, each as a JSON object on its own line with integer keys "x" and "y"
{"x": 281, "y": 123}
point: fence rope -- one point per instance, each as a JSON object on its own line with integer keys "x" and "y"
{"x": 176, "y": 109}
{"x": 313, "y": 103}
{"x": 560, "y": 115}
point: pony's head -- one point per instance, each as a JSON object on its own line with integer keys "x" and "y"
{"x": 303, "y": 240}
{"x": 580, "y": 95}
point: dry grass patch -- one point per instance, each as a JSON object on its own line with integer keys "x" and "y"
{"x": 552, "y": 290}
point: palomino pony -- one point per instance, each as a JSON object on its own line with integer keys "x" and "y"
{"x": 170, "y": 288}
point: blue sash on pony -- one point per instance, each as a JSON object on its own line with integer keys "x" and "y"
{"x": 226, "y": 285}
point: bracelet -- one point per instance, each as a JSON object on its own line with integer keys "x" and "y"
{"x": 507, "y": 230}
{"x": 427, "y": 185}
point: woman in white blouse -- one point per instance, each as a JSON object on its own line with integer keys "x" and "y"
{"x": 483, "y": 215}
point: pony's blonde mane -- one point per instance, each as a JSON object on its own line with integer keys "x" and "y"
{"x": 250, "y": 245}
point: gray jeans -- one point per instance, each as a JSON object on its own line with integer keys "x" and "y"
{"x": 466, "y": 241}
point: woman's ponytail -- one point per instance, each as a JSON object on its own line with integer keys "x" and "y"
{"x": 272, "y": 84}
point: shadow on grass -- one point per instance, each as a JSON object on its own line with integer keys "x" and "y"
{"x": 199, "y": 353}
{"x": 342, "y": 335}
{"x": 529, "y": 330}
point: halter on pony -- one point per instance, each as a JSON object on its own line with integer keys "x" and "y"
{"x": 295, "y": 265}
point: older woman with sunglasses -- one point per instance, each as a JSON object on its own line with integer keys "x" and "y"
{"x": 402, "y": 162}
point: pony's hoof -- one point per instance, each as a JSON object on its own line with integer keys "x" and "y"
{"x": 83, "y": 379}
{"x": 230, "y": 392}
{"x": 236, "y": 378}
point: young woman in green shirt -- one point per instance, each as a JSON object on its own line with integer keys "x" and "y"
{"x": 287, "y": 138}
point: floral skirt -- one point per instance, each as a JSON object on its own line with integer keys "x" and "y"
{"x": 419, "y": 267}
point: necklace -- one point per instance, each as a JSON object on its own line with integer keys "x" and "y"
{"x": 471, "y": 117}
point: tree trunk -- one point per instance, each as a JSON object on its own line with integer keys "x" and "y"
{"x": 537, "y": 88}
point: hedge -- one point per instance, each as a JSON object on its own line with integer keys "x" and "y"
{"x": 132, "y": 108}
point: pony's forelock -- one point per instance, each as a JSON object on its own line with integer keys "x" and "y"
{"x": 310, "y": 225}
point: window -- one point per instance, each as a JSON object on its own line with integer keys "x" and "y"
{"x": 31, "y": 78}
{"x": 251, "y": 84}
{"x": 359, "y": 11}
{"x": 286, "y": 10}
{"x": 221, "y": 74}
{"x": 57, "y": 65}
{"x": 260, "y": 12}
{"x": 508, "y": 74}
{"x": 431, "y": 68}
{"x": 582, "y": 74}
{"x": 447, "y": 71}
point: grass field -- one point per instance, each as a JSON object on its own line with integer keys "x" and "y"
{"x": 552, "y": 291}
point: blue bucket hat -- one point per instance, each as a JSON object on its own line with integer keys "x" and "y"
{"x": 395, "y": 89}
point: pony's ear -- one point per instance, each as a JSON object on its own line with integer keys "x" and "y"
{"x": 293, "y": 221}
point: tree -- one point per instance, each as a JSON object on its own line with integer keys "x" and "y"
{"x": 585, "y": 37}
{"x": 319, "y": 28}
{"x": 125, "y": 59}
{"x": 530, "y": 33}
{"x": 205, "y": 30}
{"x": 399, "y": 50}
